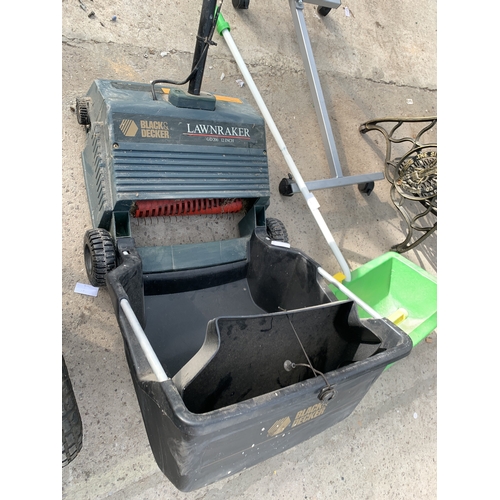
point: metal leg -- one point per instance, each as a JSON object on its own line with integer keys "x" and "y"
{"x": 412, "y": 222}
{"x": 337, "y": 180}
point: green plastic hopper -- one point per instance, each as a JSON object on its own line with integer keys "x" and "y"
{"x": 391, "y": 282}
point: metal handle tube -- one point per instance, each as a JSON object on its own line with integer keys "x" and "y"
{"x": 351, "y": 295}
{"x": 311, "y": 200}
{"x": 204, "y": 29}
{"x": 151, "y": 356}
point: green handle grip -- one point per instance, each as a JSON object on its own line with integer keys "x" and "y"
{"x": 222, "y": 24}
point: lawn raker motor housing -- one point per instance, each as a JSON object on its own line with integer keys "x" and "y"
{"x": 175, "y": 154}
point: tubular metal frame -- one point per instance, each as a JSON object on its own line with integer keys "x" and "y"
{"x": 337, "y": 179}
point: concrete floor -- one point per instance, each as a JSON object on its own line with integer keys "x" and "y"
{"x": 378, "y": 61}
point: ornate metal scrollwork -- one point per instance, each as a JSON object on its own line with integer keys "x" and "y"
{"x": 413, "y": 176}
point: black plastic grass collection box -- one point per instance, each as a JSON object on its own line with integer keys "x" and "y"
{"x": 269, "y": 359}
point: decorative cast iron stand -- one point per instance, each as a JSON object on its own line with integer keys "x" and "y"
{"x": 413, "y": 176}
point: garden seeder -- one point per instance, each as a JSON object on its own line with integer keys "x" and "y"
{"x": 238, "y": 349}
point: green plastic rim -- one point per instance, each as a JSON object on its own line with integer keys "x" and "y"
{"x": 222, "y": 24}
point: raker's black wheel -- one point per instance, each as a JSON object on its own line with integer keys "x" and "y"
{"x": 99, "y": 255}
{"x": 324, "y": 11}
{"x": 276, "y": 230}
{"x": 72, "y": 429}
{"x": 82, "y": 111}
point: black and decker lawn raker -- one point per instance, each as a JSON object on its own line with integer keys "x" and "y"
{"x": 238, "y": 349}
